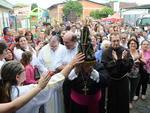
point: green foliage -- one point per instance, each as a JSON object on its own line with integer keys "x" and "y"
{"x": 73, "y": 6}
{"x": 98, "y": 14}
{"x": 95, "y": 14}
{"x": 34, "y": 6}
{"x": 107, "y": 11}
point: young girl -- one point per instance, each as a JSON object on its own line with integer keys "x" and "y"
{"x": 29, "y": 69}
{"x": 13, "y": 75}
{"x": 24, "y": 99}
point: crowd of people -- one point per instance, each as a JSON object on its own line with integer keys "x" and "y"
{"x": 48, "y": 58}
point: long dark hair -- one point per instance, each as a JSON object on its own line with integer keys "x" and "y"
{"x": 27, "y": 34}
{"x": 136, "y": 41}
{"x": 8, "y": 79}
{"x": 12, "y": 55}
{"x": 18, "y": 45}
{"x": 17, "y": 41}
{"x": 3, "y": 46}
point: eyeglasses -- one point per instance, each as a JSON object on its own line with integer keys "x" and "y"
{"x": 132, "y": 43}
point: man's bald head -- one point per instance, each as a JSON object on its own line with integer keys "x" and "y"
{"x": 70, "y": 36}
{"x": 70, "y": 40}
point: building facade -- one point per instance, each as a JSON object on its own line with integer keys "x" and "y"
{"x": 56, "y": 11}
{"x": 5, "y": 8}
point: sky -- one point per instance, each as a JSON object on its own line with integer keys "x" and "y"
{"x": 47, "y": 3}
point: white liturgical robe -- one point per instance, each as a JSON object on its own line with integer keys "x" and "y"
{"x": 44, "y": 96}
{"x": 49, "y": 59}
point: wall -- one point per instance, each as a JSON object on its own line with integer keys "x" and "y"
{"x": 4, "y": 19}
{"x": 90, "y": 6}
{"x": 57, "y": 11}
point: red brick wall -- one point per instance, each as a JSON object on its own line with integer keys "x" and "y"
{"x": 57, "y": 12}
{"x": 90, "y": 6}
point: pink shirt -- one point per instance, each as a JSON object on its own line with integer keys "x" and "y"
{"x": 147, "y": 55}
{"x": 147, "y": 58}
{"x": 29, "y": 72}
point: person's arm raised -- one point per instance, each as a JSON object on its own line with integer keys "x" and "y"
{"x": 79, "y": 58}
{"x": 22, "y": 100}
{"x": 59, "y": 77}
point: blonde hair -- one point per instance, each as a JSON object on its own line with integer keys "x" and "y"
{"x": 104, "y": 42}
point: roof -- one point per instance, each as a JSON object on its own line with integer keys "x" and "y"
{"x": 123, "y": 5}
{"x": 55, "y": 5}
{"x": 5, "y": 4}
{"x": 20, "y": 5}
{"x": 93, "y": 2}
{"x": 147, "y": 6}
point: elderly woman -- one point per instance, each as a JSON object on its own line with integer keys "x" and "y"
{"x": 134, "y": 75}
{"x": 144, "y": 70}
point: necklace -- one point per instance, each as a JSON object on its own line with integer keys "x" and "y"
{"x": 85, "y": 88}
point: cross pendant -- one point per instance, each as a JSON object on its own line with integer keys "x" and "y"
{"x": 85, "y": 89}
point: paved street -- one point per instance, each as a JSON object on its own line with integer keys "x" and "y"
{"x": 141, "y": 106}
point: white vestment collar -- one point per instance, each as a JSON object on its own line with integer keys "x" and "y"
{"x": 94, "y": 75}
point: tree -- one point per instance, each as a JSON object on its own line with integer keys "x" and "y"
{"x": 34, "y": 6}
{"x": 98, "y": 14}
{"x": 73, "y": 7}
{"x": 95, "y": 14}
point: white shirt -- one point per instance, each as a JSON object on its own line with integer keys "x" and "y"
{"x": 18, "y": 55}
{"x": 49, "y": 59}
{"x": 124, "y": 45}
{"x": 69, "y": 54}
{"x": 1, "y": 64}
{"x": 44, "y": 96}
{"x": 94, "y": 75}
{"x": 140, "y": 39}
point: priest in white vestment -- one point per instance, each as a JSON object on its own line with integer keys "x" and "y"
{"x": 50, "y": 57}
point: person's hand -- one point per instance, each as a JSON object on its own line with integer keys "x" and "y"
{"x": 39, "y": 46}
{"x": 114, "y": 55}
{"x": 78, "y": 59}
{"x": 124, "y": 54}
{"x": 137, "y": 58}
{"x": 44, "y": 80}
{"x": 137, "y": 61}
